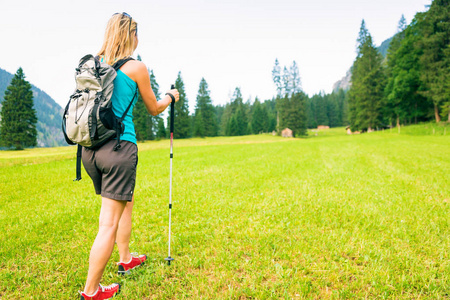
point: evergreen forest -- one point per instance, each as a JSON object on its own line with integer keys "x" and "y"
{"x": 404, "y": 81}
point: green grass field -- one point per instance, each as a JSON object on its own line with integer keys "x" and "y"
{"x": 330, "y": 216}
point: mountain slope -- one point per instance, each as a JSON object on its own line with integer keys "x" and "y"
{"x": 47, "y": 110}
{"x": 385, "y": 46}
{"x": 345, "y": 82}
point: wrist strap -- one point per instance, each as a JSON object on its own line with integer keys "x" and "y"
{"x": 171, "y": 96}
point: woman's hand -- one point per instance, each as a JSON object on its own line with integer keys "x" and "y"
{"x": 175, "y": 94}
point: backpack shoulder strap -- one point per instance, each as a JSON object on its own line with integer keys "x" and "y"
{"x": 120, "y": 128}
{"x": 118, "y": 64}
{"x": 78, "y": 166}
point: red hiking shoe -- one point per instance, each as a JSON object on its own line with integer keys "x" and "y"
{"x": 103, "y": 292}
{"x": 136, "y": 261}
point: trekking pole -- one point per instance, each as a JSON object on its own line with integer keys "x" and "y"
{"x": 172, "y": 120}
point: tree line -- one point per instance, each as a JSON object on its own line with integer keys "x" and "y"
{"x": 237, "y": 117}
{"x": 234, "y": 118}
{"x": 291, "y": 108}
{"x": 413, "y": 83}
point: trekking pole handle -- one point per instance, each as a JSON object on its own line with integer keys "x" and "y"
{"x": 172, "y": 112}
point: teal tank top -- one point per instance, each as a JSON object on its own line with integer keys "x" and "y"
{"x": 124, "y": 91}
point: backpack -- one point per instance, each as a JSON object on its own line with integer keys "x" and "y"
{"x": 88, "y": 118}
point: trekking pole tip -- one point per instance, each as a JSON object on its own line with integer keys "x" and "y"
{"x": 169, "y": 259}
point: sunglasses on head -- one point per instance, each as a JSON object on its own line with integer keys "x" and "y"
{"x": 124, "y": 14}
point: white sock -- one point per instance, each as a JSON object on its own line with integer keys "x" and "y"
{"x": 92, "y": 294}
{"x": 130, "y": 260}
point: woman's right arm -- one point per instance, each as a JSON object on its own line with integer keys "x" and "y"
{"x": 142, "y": 78}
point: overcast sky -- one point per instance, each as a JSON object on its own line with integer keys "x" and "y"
{"x": 228, "y": 42}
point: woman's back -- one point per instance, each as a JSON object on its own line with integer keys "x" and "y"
{"x": 125, "y": 90}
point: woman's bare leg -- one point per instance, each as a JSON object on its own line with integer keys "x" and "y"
{"x": 124, "y": 233}
{"x": 103, "y": 246}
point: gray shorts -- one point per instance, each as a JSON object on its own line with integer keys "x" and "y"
{"x": 113, "y": 172}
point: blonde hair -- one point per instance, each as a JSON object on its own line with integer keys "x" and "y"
{"x": 119, "y": 42}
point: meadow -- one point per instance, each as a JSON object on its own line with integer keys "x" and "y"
{"x": 329, "y": 216}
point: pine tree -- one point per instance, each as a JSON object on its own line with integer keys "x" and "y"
{"x": 397, "y": 39}
{"x": 219, "y": 111}
{"x": 248, "y": 116}
{"x": 157, "y": 122}
{"x": 18, "y": 117}
{"x": 292, "y": 113}
{"x": 140, "y": 117}
{"x": 276, "y": 76}
{"x": 182, "y": 121}
{"x": 287, "y": 84}
{"x": 292, "y": 105}
{"x": 396, "y": 106}
{"x": 435, "y": 60}
{"x": 368, "y": 82}
{"x": 161, "y": 132}
{"x": 234, "y": 119}
{"x": 362, "y": 38}
{"x": 258, "y": 118}
{"x": 265, "y": 119}
{"x": 225, "y": 119}
{"x": 237, "y": 100}
{"x": 404, "y": 101}
{"x": 298, "y": 118}
{"x": 311, "y": 111}
{"x": 199, "y": 126}
{"x": 237, "y": 123}
{"x": 204, "y": 110}
{"x": 140, "y": 120}
{"x": 446, "y": 102}
{"x": 269, "y": 109}
{"x": 232, "y": 127}
{"x": 341, "y": 98}
{"x": 241, "y": 120}
{"x": 332, "y": 110}
{"x": 296, "y": 83}
{"x": 282, "y": 113}
{"x": 144, "y": 123}
{"x": 321, "y": 110}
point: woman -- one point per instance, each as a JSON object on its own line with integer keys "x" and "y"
{"x": 114, "y": 172}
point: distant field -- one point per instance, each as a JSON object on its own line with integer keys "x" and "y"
{"x": 329, "y": 216}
